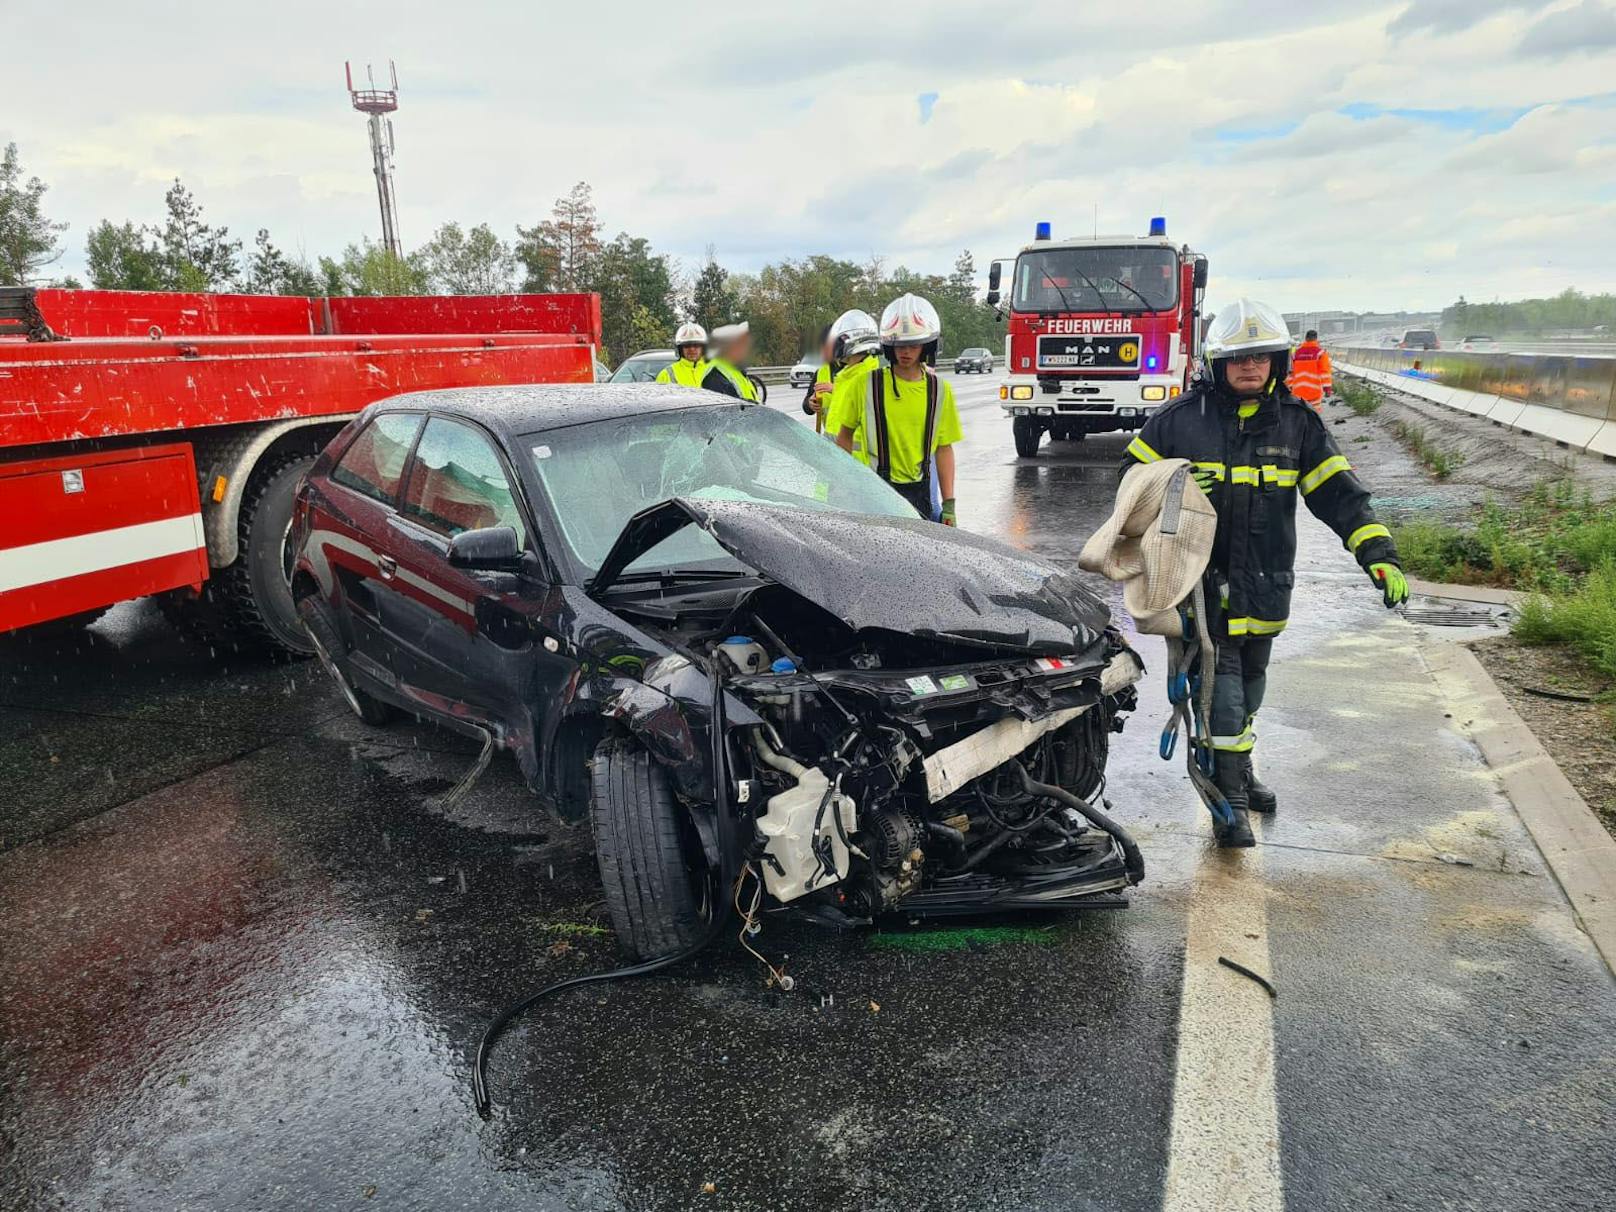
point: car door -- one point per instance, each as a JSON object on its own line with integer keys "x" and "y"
{"x": 353, "y": 533}
{"x": 463, "y": 641}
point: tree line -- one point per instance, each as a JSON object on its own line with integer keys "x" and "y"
{"x": 644, "y": 294}
{"x": 1567, "y": 312}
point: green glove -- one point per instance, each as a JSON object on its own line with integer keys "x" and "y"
{"x": 948, "y": 512}
{"x": 1392, "y": 583}
{"x": 1205, "y": 477}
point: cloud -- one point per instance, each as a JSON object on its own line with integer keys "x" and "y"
{"x": 1325, "y": 135}
{"x": 1587, "y": 28}
{"x": 1448, "y": 16}
{"x": 1328, "y": 154}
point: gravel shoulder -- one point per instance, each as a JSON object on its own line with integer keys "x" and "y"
{"x": 1498, "y": 464}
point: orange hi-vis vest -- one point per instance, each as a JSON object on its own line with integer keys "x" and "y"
{"x": 1310, "y": 374}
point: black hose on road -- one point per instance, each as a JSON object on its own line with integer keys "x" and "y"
{"x": 720, "y": 764}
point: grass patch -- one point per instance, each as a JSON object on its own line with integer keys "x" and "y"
{"x": 1440, "y": 463}
{"x": 1584, "y": 619}
{"x": 1358, "y": 396}
{"x": 1557, "y": 545}
{"x": 574, "y": 929}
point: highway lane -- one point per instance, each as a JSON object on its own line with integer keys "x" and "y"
{"x": 244, "y": 964}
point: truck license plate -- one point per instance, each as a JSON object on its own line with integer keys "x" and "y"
{"x": 1108, "y": 352}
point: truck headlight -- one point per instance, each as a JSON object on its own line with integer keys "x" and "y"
{"x": 1156, "y": 391}
{"x": 1021, "y": 393}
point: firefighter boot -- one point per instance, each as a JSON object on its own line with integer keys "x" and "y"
{"x": 1259, "y": 796}
{"x": 1230, "y": 776}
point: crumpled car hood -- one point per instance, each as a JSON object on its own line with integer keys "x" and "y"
{"x": 898, "y": 574}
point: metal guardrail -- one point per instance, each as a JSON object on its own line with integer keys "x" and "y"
{"x": 1569, "y": 399}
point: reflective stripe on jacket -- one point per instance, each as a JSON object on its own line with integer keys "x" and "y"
{"x": 682, "y": 372}
{"x": 725, "y": 377}
{"x": 875, "y": 426}
{"x": 1260, "y": 464}
{"x": 1310, "y": 373}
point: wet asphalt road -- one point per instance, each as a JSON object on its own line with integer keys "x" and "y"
{"x": 243, "y": 955}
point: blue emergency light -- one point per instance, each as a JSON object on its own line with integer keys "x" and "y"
{"x": 1158, "y": 226}
{"x": 1041, "y": 232}
{"x": 1150, "y": 362}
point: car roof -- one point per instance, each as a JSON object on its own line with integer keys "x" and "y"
{"x": 651, "y": 353}
{"x": 532, "y": 407}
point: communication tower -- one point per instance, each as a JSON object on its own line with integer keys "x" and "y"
{"x": 378, "y": 103}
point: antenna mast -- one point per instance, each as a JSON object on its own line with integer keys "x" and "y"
{"x": 378, "y": 103}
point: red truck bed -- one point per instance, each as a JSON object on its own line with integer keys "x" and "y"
{"x": 106, "y": 397}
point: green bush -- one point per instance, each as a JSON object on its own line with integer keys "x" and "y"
{"x": 1584, "y": 618}
{"x": 1358, "y": 395}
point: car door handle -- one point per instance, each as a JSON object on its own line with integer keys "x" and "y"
{"x": 386, "y": 565}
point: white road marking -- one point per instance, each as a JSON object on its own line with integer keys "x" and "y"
{"x": 57, "y": 559}
{"x": 1224, "y": 1151}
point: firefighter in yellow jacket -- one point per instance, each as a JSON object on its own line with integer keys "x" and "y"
{"x": 901, "y": 416}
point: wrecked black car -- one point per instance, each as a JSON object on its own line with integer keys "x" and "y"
{"x": 731, "y": 645}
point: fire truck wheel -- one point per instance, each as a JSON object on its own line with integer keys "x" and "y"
{"x": 247, "y": 607}
{"x": 1028, "y": 434}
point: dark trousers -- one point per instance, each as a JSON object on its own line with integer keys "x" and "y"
{"x": 918, "y": 495}
{"x": 1237, "y": 691}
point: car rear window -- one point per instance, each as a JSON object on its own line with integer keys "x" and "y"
{"x": 374, "y": 463}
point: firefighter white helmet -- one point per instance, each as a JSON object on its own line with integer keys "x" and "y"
{"x": 1246, "y": 327}
{"x": 853, "y": 333}
{"x": 910, "y": 320}
{"x": 690, "y": 334}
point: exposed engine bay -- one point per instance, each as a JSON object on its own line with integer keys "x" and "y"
{"x": 893, "y": 771}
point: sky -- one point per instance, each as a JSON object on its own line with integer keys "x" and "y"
{"x": 1332, "y": 154}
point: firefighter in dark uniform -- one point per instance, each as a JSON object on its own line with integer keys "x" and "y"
{"x": 1255, "y": 448}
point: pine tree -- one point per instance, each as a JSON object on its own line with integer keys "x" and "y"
{"x": 558, "y": 253}
{"x": 27, "y": 237}
{"x": 195, "y": 256}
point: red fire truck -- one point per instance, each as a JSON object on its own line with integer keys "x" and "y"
{"x": 151, "y": 443}
{"x": 1101, "y": 332}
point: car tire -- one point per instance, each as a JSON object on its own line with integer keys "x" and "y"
{"x": 659, "y": 889}
{"x": 247, "y": 606}
{"x": 326, "y": 643}
{"x": 1028, "y": 435}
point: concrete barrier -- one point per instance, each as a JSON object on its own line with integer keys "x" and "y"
{"x": 1568, "y": 399}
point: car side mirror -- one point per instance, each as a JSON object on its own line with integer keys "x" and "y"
{"x": 494, "y": 548}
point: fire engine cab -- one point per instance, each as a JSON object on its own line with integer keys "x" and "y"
{"x": 1101, "y": 332}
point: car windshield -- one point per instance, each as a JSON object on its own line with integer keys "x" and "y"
{"x": 1141, "y": 278}
{"x": 642, "y": 369}
{"x": 598, "y": 475}
{"x": 811, "y": 359}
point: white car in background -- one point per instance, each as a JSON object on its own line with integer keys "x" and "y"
{"x": 802, "y": 374}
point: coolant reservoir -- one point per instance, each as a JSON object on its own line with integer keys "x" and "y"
{"x": 746, "y": 653}
{"x": 789, "y": 827}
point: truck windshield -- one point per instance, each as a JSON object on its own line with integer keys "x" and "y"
{"x": 1123, "y": 278}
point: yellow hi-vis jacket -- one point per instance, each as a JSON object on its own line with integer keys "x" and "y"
{"x": 682, "y": 372}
